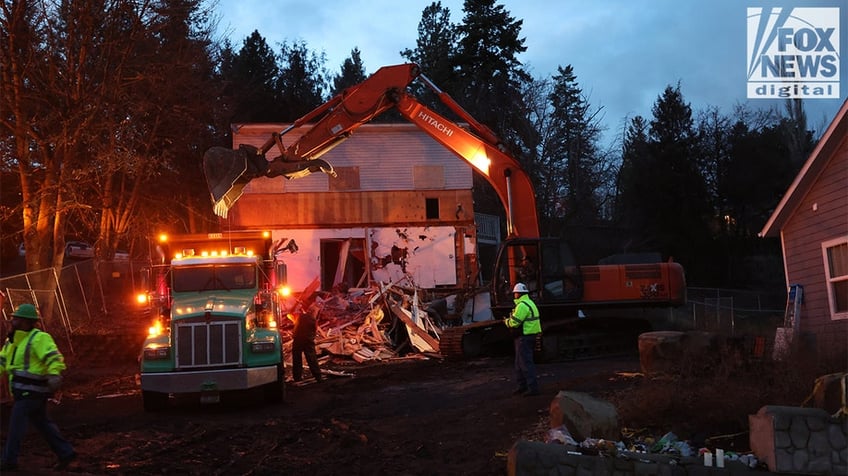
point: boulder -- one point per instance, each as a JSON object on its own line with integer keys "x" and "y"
{"x": 585, "y": 416}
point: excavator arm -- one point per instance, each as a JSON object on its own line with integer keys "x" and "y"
{"x": 228, "y": 171}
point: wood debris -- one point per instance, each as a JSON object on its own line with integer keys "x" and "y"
{"x": 380, "y": 323}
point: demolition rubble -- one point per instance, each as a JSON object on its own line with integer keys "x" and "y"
{"x": 379, "y": 323}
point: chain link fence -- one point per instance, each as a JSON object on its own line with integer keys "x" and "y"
{"x": 747, "y": 316}
{"x": 86, "y": 297}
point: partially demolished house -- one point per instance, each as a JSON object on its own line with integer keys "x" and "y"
{"x": 399, "y": 209}
{"x": 396, "y": 223}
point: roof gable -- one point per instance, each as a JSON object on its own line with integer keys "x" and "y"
{"x": 834, "y": 137}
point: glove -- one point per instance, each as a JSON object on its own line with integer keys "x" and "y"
{"x": 54, "y": 382}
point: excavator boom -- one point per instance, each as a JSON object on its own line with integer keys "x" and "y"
{"x": 228, "y": 171}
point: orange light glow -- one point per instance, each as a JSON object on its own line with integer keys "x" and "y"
{"x": 163, "y": 237}
{"x": 141, "y": 298}
{"x": 284, "y": 291}
{"x": 155, "y": 329}
{"x": 481, "y": 162}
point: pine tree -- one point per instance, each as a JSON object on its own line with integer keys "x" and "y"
{"x": 352, "y": 73}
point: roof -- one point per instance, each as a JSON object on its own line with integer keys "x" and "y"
{"x": 827, "y": 146}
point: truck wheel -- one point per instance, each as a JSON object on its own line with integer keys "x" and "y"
{"x": 275, "y": 392}
{"x": 154, "y": 401}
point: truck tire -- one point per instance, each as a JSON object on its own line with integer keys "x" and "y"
{"x": 275, "y": 392}
{"x": 154, "y": 401}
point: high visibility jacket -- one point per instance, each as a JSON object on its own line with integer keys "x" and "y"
{"x": 526, "y": 316}
{"x": 29, "y": 358}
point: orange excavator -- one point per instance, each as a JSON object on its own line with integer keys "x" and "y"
{"x": 561, "y": 287}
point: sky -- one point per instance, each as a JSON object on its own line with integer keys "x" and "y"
{"x": 624, "y": 52}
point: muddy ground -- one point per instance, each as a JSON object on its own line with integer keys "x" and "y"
{"x": 411, "y": 416}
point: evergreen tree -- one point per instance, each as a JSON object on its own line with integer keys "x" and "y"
{"x": 489, "y": 72}
{"x": 575, "y": 135}
{"x": 250, "y": 77}
{"x": 302, "y": 82}
{"x": 663, "y": 194}
{"x": 434, "y": 52}
{"x": 352, "y": 72}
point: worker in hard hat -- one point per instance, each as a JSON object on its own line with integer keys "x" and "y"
{"x": 34, "y": 365}
{"x": 525, "y": 325}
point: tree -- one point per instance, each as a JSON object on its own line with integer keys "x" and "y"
{"x": 115, "y": 108}
{"x": 302, "y": 82}
{"x": 352, "y": 73}
{"x": 489, "y": 72}
{"x": 250, "y": 77}
{"x": 434, "y": 51}
{"x": 575, "y": 133}
{"x": 663, "y": 195}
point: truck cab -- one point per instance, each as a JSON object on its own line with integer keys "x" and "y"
{"x": 216, "y": 330}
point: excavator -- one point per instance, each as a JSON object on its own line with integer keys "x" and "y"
{"x": 562, "y": 289}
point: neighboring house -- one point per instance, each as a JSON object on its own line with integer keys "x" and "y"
{"x": 812, "y": 223}
{"x": 401, "y": 206}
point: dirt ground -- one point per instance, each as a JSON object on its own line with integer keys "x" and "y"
{"x": 411, "y": 416}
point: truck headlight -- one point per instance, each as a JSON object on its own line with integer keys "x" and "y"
{"x": 262, "y": 347}
{"x": 156, "y": 353}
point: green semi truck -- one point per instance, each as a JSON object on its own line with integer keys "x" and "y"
{"x": 218, "y": 299}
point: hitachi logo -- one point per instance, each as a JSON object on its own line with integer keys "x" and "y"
{"x": 432, "y": 121}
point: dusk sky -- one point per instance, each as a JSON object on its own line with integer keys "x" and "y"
{"x": 624, "y": 53}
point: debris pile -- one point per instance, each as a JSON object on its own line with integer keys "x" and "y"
{"x": 383, "y": 322}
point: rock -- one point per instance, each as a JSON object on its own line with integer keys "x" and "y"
{"x": 585, "y": 416}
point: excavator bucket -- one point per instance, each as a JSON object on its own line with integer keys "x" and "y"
{"x": 225, "y": 176}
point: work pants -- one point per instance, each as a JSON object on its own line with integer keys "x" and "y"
{"x": 34, "y": 410}
{"x": 299, "y": 350}
{"x": 525, "y": 368}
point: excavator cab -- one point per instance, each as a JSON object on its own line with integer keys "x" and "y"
{"x": 546, "y": 266}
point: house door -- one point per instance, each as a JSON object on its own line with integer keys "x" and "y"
{"x": 343, "y": 263}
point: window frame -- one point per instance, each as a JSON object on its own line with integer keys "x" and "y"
{"x": 830, "y": 280}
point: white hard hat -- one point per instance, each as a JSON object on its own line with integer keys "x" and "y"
{"x": 520, "y": 288}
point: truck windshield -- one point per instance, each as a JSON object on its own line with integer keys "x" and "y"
{"x": 214, "y": 277}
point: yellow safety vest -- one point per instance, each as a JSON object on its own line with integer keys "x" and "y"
{"x": 29, "y": 358}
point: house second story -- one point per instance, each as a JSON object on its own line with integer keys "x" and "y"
{"x": 387, "y": 174}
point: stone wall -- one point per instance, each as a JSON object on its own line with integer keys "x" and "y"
{"x": 800, "y": 440}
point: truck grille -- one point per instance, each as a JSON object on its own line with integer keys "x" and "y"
{"x": 213, "y": 344}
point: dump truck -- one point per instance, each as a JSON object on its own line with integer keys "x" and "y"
{"x": 217, "y": 300}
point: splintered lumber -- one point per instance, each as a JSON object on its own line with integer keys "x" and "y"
{"x": 413, "y": 328}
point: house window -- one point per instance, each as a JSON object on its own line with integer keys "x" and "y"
{"x": 432, "y": 208}
{"x": 836, "y": 272}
